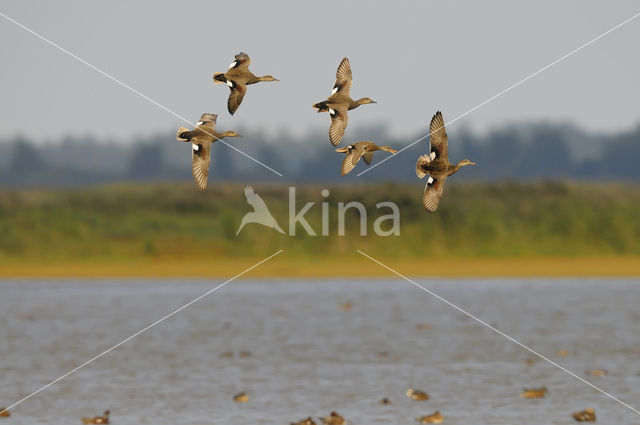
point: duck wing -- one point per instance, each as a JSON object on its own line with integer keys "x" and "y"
{"x": 438, "y": 137}
{"x": 201, "y": 157}
{"x": 241, "y": 62}
{"x": 369, "y": 149}
{"x": 235, "y": 96}
{"x": 351, "y": 159}
{"x": 343, "y": 78}
{"x": 368, "y": 156}
{"x": 339, "y": 121}
{"x": 433, "y": 193}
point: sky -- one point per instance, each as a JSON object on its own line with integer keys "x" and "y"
{"x": 412, "y": 57}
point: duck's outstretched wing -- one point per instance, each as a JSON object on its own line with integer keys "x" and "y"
{"x": 438, "y": 137}
{"x": 339, "y": 121}
{"x": 343, "y": 78}
{"x": 352, "y": 158}
{"x": 201, "y": 157}
{"x": 208, "y": 118}
{"x": 235, "y": 96}
{"x": 367, "y": 156}
{"x": 241, "y": 61}
{"x": 433, "y": 193}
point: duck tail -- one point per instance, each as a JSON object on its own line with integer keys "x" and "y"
{"x": 219, "y": 77}
{"x": 321, "y": 106}
{"x": 181, "y": 136}
{"x": 388, "y": 149}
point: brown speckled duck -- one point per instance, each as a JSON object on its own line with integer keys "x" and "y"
{"x": 238, "y": 77}
{"x": 104, "y": 419}
{"x": 201, "y": 138}
{"x": 340, "y": 102}
{"x": 436, "y": 164}
{"x": 306, "y": 421}
{"x": 333, "y": 419}
{"x": 587, "y": 415}
{"x": 434, "y": 418}
{"x": 417, "y": 395}
{"x": 359, "y": 150}
{"x": 241, "y": 398}
{"x": 534, "y": 392}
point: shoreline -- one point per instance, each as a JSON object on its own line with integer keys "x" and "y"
{"x": 284, "y": 267}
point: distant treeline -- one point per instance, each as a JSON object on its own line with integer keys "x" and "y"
{"x": 514, "y": 152}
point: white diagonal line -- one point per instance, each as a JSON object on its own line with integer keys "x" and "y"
{"x": 511, "y": 87}
{"x": 128, "y": 87}
{"x": 498, "y": 331}
{"x": 142, "y": 331}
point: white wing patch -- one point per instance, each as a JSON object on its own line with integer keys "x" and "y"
{"x": 229, "y": 83}
{"x": 332, "y": 112}
{"x": 432, "y": 155}
{"x": 335, "y": 90}
{"x": 195, "y": 147}
{"x": 430, "y": 180}
{"x": 234, "y": 63}
{"x": 200, "y": 123}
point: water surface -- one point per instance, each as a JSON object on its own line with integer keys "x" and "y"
{"x": 309, "y": 357}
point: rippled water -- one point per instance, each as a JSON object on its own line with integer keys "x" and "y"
{"x": 309, "y": 357}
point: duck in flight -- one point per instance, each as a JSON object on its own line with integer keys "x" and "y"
{"x": 436, "y": 164}
{"x": 340, "y": 102}
{"x": 238, "y": 77}
{"x": 201, "y": 138}
{"x": 359, "y": 150}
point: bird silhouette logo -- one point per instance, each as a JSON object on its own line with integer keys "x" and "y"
{"x": 260, "y": 213}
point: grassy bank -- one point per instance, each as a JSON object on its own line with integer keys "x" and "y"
{"x": 173, "y": 230}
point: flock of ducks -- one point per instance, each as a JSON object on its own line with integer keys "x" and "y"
{"x": 335, "y": 418}
{"x": 436, "y": 163}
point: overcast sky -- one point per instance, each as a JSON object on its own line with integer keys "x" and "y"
{"x": 412, "y": 57}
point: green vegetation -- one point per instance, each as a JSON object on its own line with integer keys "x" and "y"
{"x": 176, "y": 222}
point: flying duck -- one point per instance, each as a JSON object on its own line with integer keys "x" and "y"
{"x": 340, "y": 102}
{"x": 201, "y": 138}
{"x": 238, "y": 77}
{"x": 436, "y": 164}
{"x": 359, "y": 150}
